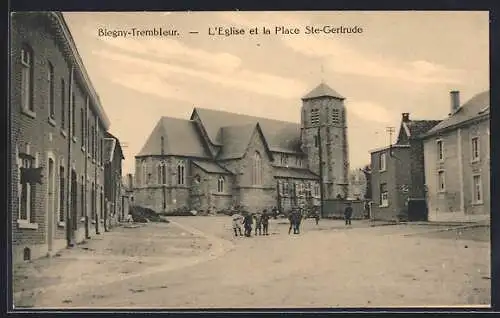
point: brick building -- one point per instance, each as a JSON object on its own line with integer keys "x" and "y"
{"x": 218, "y": 159}
{"x": 457, "y": 162}
{"x": 398, "y": 175}
{"x": 113, "y": 189}
{"x": 58, "y": 124}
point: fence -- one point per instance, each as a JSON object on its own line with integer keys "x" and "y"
{"x": 334, "y": 209}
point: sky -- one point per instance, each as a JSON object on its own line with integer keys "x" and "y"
{"x": 405, "y": 61}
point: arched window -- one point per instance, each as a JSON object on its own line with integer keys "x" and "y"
{"x": 144, "y": 173}
{"x": 162, "y": 173}
{"x": 220, "y": 184}
{"x": 181, "y": 172}
{"x": 257, "y": 169}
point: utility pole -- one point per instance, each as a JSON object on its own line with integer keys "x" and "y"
{"x": 390, "y": 130}
{"x": 321, "y": 187}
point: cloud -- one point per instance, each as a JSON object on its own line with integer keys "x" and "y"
{"x": 370, "y": 111}
{"x": 254, "y": 82}
{"x": 342, "y": 58}
{"x": 173, "y": 49}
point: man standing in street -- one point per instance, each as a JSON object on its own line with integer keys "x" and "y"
{"x": 265, "y": 223}
{"x": 348, "y": 214}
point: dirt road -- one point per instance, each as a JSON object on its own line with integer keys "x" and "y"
{"x": 325, "y": 266}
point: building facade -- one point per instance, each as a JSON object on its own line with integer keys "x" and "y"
{"x": 57, "y": 124}
{"x": 217, "y": 160}
{"x": 398, "y": 174}
{"x": 113, "y": 190}
{"x": 457, "y": 162}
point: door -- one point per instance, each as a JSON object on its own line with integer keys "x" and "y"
{"x": 74, "y": 206}
{"x": 417, "y": 210}
{"x": 50, "y": 205}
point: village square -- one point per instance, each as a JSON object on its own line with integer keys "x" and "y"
{"x": 226, "y": 209}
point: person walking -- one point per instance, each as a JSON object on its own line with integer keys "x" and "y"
{"x": 237, "y": 220}
{"x": 316, "y": 215}
{"x": 248, "y": 221}
{"x": 298, "y": 221}
{"x": 348, "y": 214}
{"x": 265, "y": 223}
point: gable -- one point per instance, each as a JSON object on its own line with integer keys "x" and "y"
{"x": 180, "y": 138}
{"x": 281, "y": 136}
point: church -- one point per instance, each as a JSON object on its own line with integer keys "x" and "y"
{"x": 217, "y": 160}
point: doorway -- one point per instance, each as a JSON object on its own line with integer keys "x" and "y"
{"x": 50, "y": 206}
{"x": 74, "y": 206}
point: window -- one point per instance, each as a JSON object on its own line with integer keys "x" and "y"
{"x": 26, "y": 191}
{"x": 382, "y": 162}
{"x": 27, "y": 79}
{"x": 73, "y": 115}
{"x": 82, "y": 127}
{"x": 93, "y": 142}
{"x": 220, "y": 184}
{"x": 384, "y": 195}
{"x": 180, "y": 172}
{"x": 440, "y": 150}
{"x": 316, "y": 190}
{"x": 298, "y": 162}
{"x": 144, "y": 174}
{"x": 257, "y": 169}
{"x": 63, "y": 104}
{"x": 101, "y": 152}
{"x": 478, "y": 189}
{"x": 284, "y": 159}
{"x": 314, "y": 116}
{"x": 441, "y": 181}
{"x": 61, "y": 194}
{"x": 50, "y": 95}
{"x": 475, "y": 148}
{"x": 162, "y": 173}
{"x": 316, "y": 141}
{"x": 285, "y": 188}
{"x": 335, "y": 117}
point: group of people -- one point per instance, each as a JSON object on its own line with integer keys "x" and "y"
{"x": 261, "y": 221}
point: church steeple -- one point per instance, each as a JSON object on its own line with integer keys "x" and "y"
{"x": 323, "y": 90}
{"x": 324, "y": 121}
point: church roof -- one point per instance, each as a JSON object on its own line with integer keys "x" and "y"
{"x": 323, "y": 90}
{"x": 180, "y": 138}
{"x": 296, "y": 173}
{"x": 211, "y": 167}
{"x": 221, "y": 127}
{"x": 477, "y": 106}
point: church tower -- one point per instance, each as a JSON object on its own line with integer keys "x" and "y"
{"x": 324, "y": 128}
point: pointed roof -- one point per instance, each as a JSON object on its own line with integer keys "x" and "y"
{"x": 475, "y": 107}
{"x": 280, "y": 135}
{"x": 211, "y": 167}
{"x": 180, "y": 138}
{"x": 323, "y": 90}
{"x": 415, "y": 128}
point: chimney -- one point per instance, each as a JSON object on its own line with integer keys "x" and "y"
{"x": 406, "y": 117}
{"x": 455, "y": 101}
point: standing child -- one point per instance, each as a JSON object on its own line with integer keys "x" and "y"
{"x": 237, "y": 220}
{"x": 265, "y": 222}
